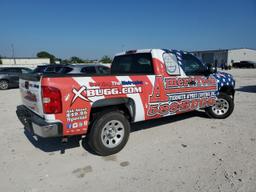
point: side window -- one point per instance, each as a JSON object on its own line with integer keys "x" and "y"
{"x": 39, "y": 69}
{"x": 4, "y": 70}
{"x": 13, "y": 70}
{"x": 64, "y": 70}
{"x": 50, "y": 69}
{"x": 89, "y": 70}
{"x": 171, "y": 64}
{"x": 25, "y": 70}
{"x": 140, "y": 63}
{"x": 192, "y": 66}
{"x": 58, "y": 69}
{"x": 103, "y": 70}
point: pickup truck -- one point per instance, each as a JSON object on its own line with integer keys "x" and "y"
{"x": 143, "y": 84}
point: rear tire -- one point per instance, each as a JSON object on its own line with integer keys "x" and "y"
{"x": 223, "y": 108}
{"x": 109, "y": 133}
{"x": 4, "y": 84}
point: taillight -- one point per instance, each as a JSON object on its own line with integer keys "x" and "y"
{"x": 51, "y": 98}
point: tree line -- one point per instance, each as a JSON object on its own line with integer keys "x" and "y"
{"x": 74, "y": 59}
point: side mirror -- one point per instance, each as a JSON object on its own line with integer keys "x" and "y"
{"x": 211, "y": 69}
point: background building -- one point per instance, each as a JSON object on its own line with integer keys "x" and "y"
{"x": 24, "y": 61}
{"x": 226, "y": 56}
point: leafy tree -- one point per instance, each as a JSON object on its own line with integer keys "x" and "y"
{"x": 44, "y": 54}
{"x": 106, "y": 59}
{"x": 65, "y": 61}
{"x": 1, "y": 60}
{"x": 75, "y": 59}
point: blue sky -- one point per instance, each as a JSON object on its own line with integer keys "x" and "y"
{"x": 93, "y": 28}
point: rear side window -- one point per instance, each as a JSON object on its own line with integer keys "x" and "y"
{"x": 26, "y": 70}
{"x": 12, "y": 70}
{"x": 103, "y": 70}
{"x": 50, "y": 69}
{"x": 140, "y": 63}
{"x": 39, "y": 69}
{"x": 63, "y": 70}
{"x": 89, "y": 70}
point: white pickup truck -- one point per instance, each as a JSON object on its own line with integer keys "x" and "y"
{"x": 143, "y": 84}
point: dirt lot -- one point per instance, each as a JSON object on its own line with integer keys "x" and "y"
{"x": 185, "y": 153}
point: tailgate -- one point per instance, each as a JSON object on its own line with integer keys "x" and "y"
{"x": 31, "y": 93}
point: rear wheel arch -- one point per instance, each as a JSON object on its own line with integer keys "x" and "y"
{"x": 125, "y": 105}
{"x": 4, "y": 80}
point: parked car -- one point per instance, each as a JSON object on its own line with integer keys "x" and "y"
{"x": 143, "y": 85}
{"x": 72, "y": 69}
{"x": 244, "y": 64}
{"x": 9, "y": 76}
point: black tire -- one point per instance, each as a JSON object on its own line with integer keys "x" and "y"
{"x": 4, "y": 84}
{"x": 100, "y": 137}
{"x": 224, "y": 110}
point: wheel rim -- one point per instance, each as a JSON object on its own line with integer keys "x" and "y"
{"x": 3, "y": 85}
{"x": 112, "y": 134}
{"x": 221, "y": 107}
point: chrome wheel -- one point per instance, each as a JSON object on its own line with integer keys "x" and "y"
{"x": 3, "y": 85}
{"x": 221, "y": 107}
{"x": 112, "y": 133}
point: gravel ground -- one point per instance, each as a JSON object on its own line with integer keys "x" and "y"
{"x": 184, "y": 153}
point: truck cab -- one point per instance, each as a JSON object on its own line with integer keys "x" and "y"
{"x": 143, "y": 84}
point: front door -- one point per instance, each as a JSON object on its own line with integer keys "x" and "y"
{"x": 184, "y": 87}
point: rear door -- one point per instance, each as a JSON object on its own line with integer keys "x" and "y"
{"x": 135, "y": 74}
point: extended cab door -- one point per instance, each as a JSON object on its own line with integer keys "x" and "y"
{"x": 135, "y": 74}
{"x": 184, "y": 86}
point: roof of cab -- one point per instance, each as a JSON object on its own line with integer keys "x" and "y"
{"x": 150, "y": 50}
{"x": 133, "y": 51}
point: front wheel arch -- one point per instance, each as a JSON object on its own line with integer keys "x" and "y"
{"x": 229, "y": 90}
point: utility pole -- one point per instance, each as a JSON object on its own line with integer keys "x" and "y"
{"x": 13, "y": 54}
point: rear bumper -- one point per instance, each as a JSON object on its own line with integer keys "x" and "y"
{"x": 37, "y": 125}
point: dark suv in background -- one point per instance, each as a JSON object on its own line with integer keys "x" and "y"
{"x": 90, "y": 69}
{"x": 9, "y": 76}
{"x": 244, "y": 64}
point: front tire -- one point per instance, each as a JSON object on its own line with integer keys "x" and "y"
{"x": 109, "y": 133}
{"x": 223, "y": 108}
{"x": 4, "y": 85}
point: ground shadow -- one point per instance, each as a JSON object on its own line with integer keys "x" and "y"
{"x": 166, "y": 120}
{"x": 52, "y": 144}
{"x": 55, "y": 144}
{"x": 248, "y": 89}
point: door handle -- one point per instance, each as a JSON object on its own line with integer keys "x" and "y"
{"x": 191, "y": 82}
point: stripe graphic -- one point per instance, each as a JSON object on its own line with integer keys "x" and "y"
{"x": 139, "y": 108}
{"x": 147, "y": 89}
